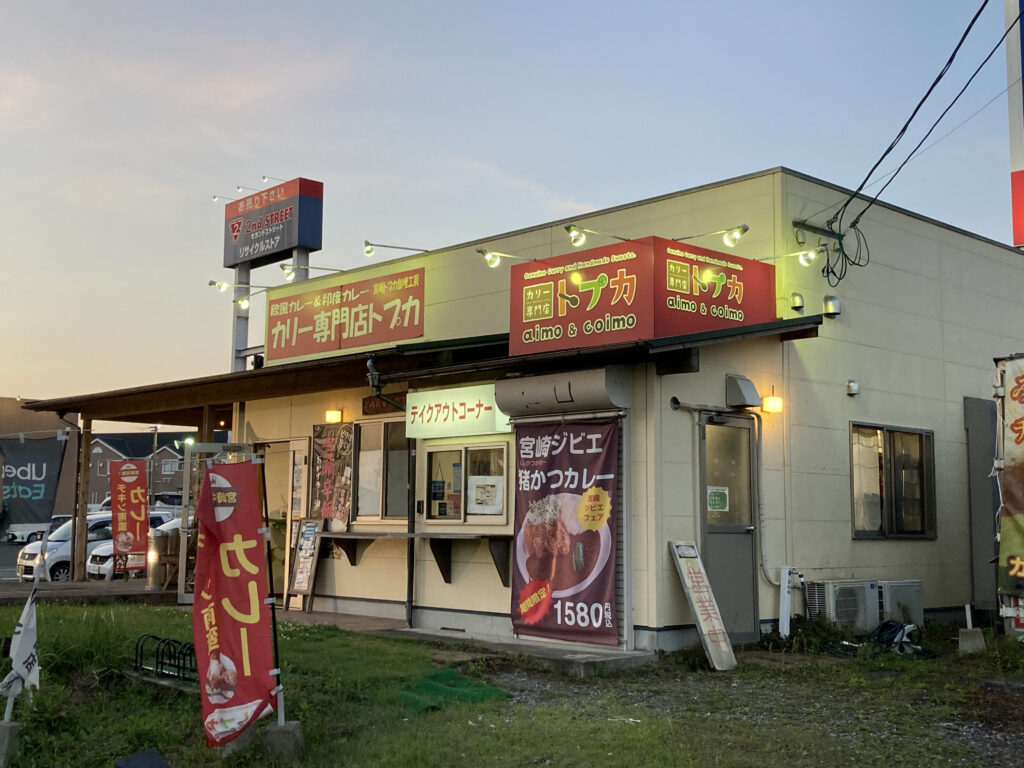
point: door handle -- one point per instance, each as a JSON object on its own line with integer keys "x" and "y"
{"x": 750, "y": 529}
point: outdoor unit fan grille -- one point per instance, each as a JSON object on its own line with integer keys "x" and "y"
{"x": 852, "y": 604}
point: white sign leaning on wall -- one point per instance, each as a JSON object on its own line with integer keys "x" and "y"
{"x": 454, "y": 413}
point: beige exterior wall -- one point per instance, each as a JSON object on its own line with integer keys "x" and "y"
{"x": 918, "y": 331}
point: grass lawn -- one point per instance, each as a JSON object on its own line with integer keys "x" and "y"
{"x": 349, "y": 692}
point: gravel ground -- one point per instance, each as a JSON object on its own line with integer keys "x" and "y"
{"x": 988, "y": 722}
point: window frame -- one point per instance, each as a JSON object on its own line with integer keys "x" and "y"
{"x": 382, "y": 488}
{"x": 888, "y": 528}
{"x": 466, "y": 517}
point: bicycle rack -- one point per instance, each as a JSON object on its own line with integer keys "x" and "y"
{"x": 166, "y": 657}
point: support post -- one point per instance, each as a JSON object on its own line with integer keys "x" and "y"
{"x": 81, "y": 527}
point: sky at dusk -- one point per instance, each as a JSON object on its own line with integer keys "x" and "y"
{"x": 430, "y": 124}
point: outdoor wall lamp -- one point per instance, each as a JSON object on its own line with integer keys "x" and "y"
{"x": 368, "y": 248}
{"x": 222, "y": 286}
{"x": 244, "y": 301}
{"x": 217, "y": 198}
{"x": 771, "y": 403}
{"x": 796, "y": 301}
{"x": 332, "y": 417}
{"x": 289, "y": 270}
{"x": 271, "y": 178}
{"x": 830, "y": 306}
{"x": 493, "y": 258}
{"x": 578, "y": 234}
{"x": 730, "y": 236}
{"x": 240, "y": 188}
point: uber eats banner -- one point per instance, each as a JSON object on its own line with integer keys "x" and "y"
{"x": 31, "y": 468}
{"x": 230, "y": 616}
{"x": 563, "y": 581}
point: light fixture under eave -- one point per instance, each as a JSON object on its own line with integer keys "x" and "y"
{"x": 730, "y": 236}
{"x": 493, "y": 258}
{"x": 368, "y": 248}
{"x": 332, "y": 417}
{"x": 578, "y": 234}
{"x": 290, "y": 269}
{"x": 771, "y": 403}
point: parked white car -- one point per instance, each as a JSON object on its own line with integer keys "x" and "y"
{"x": 58, "y": 547}
{"x": 100, "y": 563}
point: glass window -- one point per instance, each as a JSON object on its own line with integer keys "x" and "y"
{"x": 382, "y": 470}
{"x": 466, "y": 481}
{"x": 169, "y": 466}
{"x": 893, "y": 480}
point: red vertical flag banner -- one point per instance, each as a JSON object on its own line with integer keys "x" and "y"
{"x": 230, "y": 616}
{"x": 563, "y": 580}
{"x": 129, "y": 514}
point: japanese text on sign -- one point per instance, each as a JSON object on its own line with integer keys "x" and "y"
{"x": 344, "y": 316}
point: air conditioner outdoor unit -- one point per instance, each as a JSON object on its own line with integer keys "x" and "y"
{"x": 851, "y": 603}
{"x": 901, "y": 601}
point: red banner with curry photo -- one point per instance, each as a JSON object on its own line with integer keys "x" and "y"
{"x": 563, "y": 580}
{"x": 230, "y": 615}
{"x": 129, "y": 514}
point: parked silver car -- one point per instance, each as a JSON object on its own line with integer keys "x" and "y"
{"x": 58, "y": 547}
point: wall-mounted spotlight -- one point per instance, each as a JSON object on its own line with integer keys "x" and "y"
{"x": 852, "y": 387}
{"x": 240, "y": 188}
{"x": 243, "y": 302}
{"x": 271, "y": 178}
{"x": 368, "y": 248}
{"x": 290, "y": 269}
{"x": 218, "y": 198}
{"x": 578, "y": 234}
{"x": 796, "y": 301}
{"x": 807, "y": 257}
{"x": 830, "y": 306}
{"x": 222, "y": 286}
{"x": 493, "y": 258}
{"x": 730, "y": 236}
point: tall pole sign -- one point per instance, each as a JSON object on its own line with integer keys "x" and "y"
{"x": 1012, "y": 10}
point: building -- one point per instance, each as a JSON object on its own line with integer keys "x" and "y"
{"x": 875, "y": 470}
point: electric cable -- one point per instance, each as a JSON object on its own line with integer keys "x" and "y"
{"x": 924, "y": 138}
{"x": 899, "y": 136}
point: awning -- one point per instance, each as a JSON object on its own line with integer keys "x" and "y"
{"x": 210, "y": 399}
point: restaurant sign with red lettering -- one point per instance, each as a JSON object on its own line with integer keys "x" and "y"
{"x": 334, "y": 315}
{"x": 230, "y": 616}
{"x": 632, "y": 291}
{"x": 129, "y": 514}
{"x": 563, "y": 575}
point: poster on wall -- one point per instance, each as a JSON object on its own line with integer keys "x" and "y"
{"x": 129, "y": 517}
{"x": 331, "y": 491}
{"x": 563, "y": 580}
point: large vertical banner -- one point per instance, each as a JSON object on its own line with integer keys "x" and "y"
{"x": 31, "y": 469}
{"x": 563, "y": 580}
{"x": 1011, "y": 480}
{"x": 130, "y": 518}
{"x": 1011, "y": 11}
{"x": 332, "y": 474}
{"x": 230, "y": 616}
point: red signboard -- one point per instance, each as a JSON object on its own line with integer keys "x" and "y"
{"x": 641, "y": 289}
{"x": 230, "y": 615}
{"x": 563, "y": 581}
{"x": 337, "y": 316}
{"x": 129, "y": 516}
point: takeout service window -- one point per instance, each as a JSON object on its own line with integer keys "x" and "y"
{"x": 467, "y": 484}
